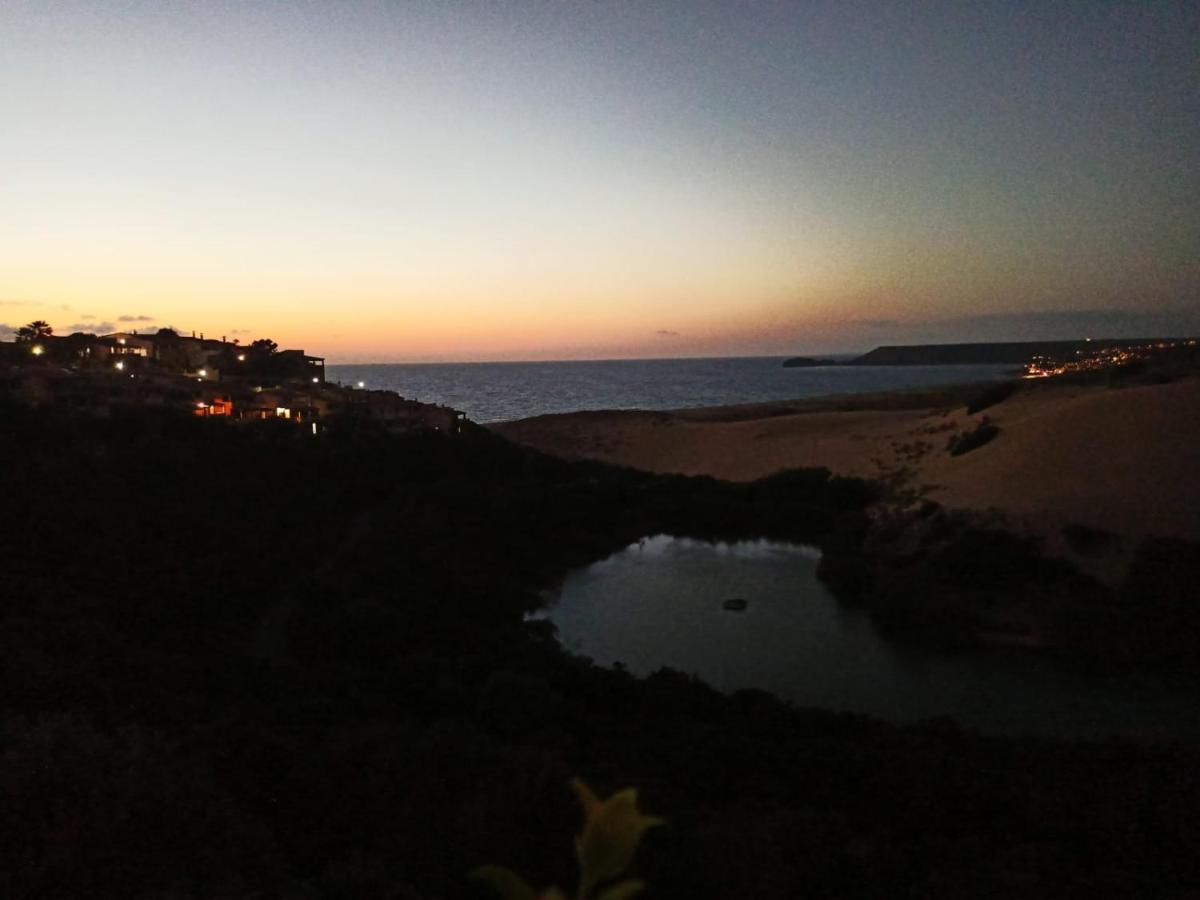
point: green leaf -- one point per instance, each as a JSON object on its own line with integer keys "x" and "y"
{"x": 508, "y": 884}
{"x": 587, "y": 799}
{"x": 612, "y": 830}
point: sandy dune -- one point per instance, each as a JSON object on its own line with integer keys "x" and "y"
{"x": 1123, "y": 460}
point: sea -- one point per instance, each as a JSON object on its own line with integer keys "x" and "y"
{"x": 504, "y": 391}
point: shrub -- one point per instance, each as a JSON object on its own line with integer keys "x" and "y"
{"x": 1088, "y": 541}
{"x": 612, "y": 830}
{"x": 991, "y": 395}
{"x": 967, "y": 441}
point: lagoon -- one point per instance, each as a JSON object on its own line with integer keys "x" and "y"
{"x": 661, "y": 602}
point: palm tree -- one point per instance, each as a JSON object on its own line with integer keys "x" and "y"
{"x": 34, "y": 331}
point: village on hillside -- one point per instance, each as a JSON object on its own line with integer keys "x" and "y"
{"x": 1127, "y": 355}
{"x": 208, "y": 377}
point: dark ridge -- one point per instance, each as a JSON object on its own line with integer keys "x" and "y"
{"x": 1016, "y": 353}
{"x": 808, "y": 362}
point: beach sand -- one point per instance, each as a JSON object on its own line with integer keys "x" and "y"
{"x": 1122, "y": 460}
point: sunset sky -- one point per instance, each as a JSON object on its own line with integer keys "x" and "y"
{"x": 541, "y": 180}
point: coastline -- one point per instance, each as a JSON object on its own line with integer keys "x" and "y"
{"x": 1111, "y": 459}
{"x": 322, "y": 638}
{"x": 1057, "y": 518}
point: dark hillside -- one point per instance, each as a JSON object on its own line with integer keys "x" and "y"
{"x": 246, "y": 662}
{"x": 1016, "y": 353}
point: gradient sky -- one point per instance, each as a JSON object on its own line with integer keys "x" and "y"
{"x": 500, "y": 180}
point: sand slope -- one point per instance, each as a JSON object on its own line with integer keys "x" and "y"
{"x": 1124, "y": 460}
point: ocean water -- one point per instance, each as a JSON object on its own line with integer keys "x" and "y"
{"x": 498, "y": 392}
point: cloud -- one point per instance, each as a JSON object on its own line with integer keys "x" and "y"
{"x": 87, "y": 317}
{"x": 19, "y": 303}
{"x": 663, "y": 332}
{"x": 90, "y": 328}
{"x": 239, "y": 331}
{"x": 135, "y": 318}
{"x": 7, "y": 330}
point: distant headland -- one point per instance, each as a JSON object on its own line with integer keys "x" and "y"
{"x": 808, "y": 362}
{"x": 1003, "y": 352}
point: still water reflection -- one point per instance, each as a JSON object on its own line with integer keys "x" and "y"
{"x": 659, "y": 602}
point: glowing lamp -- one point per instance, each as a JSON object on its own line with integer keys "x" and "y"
{"x": 119, "y": 366}
{"x": 204, "y": 373}
{"x": 37, "y": 349}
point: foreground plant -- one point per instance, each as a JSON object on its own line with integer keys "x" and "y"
{"x": 612, "y": 830}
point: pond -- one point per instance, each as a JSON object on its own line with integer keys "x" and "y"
{"x": 662, "y": 602}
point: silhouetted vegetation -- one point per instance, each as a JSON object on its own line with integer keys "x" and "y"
{"x": 1154, "y": 620}
{"x": 966, "y": 441}
{"x": 33, "y": 331}
{"x": 263, "y": 346}
{"x": 948, "y": 578}
{"x": 1088, "y": 541}
{"x": 992, "y": 395}
{"x": 243, "y": 661}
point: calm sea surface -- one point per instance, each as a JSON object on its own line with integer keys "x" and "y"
{"x": 497, "y": 392}
{"x": 659, "y": 603}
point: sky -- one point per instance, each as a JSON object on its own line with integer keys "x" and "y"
{"x": 396, "y": 181}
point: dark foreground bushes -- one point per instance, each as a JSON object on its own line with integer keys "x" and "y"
{"x": 245, "y": 662}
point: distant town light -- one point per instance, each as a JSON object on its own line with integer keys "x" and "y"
{"x": 119, "y": 366}
{"x": 37, "y": 349}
